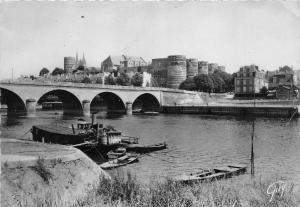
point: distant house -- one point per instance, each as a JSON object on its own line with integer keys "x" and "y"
{"x": 249, "y": 80}
{"x": 116, "y": 63}
{"x": 131, "y": 61}
{"x": 285, "y": 79}
{"x": 287, "y": 92}
{"x": 285, "y": 83}
{"x": 297, "y": 78}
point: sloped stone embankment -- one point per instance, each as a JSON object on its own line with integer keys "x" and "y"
{"x": 35, "y": 173}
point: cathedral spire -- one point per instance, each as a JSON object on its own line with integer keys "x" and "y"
{"x": 83, "y": 60}
{"x": 76, "y": 59}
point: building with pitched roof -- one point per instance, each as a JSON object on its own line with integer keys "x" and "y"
{"x": 115, "y": 63}
{"x": 249, "y": 80}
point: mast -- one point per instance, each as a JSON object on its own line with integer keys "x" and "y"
{"x": 253, "y": 128}
{"x": 12, "y": 74}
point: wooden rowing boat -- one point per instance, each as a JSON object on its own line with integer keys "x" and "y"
{"x": 211, "y": 175}
{"x": 121, "y": 161}
{"x": 145, "y": 148}
{"x": 116, "y": 153}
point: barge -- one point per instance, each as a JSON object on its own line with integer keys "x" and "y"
{"x": 83, "y": 133}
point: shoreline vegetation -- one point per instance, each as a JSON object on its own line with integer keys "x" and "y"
{"x": 125, "y": 190}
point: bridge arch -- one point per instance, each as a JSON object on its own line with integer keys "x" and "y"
{"x": 146, "y": 102}
{"x": 107, "y": 102}
{"x": 70, "y": 102}
{"x": 13, "y": 101}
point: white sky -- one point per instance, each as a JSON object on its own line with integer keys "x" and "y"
{"x": 34, "y": 35}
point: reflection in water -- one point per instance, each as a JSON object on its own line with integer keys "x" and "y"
{"x": 194, "y": 141}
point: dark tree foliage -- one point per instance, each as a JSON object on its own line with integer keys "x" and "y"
{"x": 154, "y": 82}
{"x": 286, "y": 69}
{"x": 58, "y": 71}
{"x": 230, "y": 85}
{"x": 137, "y": 79}
{"x": 99, "y": 80}
{"x": 263, "y": 90}
{"x": 188, "y": 84}
{"x": 228, "y": 80}
{"x": 86, "y": 80}
{"x": 80, "y": 68}
{"x": 44, "y": 71}
{"x": 93, "y": 70}
{"x": 203, "y": 83}
{"x": 32, "y": 77}
{"x": 218, "y": 81}
{"x": 110, "y": 80}
{"x": 123, "y": 80}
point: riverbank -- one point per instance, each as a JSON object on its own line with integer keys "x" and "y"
{"x": 128, "y": 192}
{"x": 235, "y": 110}
{"x": 37, "y": 174}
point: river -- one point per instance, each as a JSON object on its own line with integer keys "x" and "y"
{"x": 194, "y": 141}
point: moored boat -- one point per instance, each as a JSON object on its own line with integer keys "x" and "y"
{"x": 145, "y": 148}
{"x": 83, "y": 133}
{"x": 212, "y": 174}
{"x": 129, "y": 140}
{"x": 59, "y": 134}
{"x": 116, "y": 153}
{"x": 121, "y": 161}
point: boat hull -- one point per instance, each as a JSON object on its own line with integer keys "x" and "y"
{"x": 119, "y": 162}
{"x": 59, "y": 135}
{"x": 211, "y": 175}
{"x": 145, "y": 148}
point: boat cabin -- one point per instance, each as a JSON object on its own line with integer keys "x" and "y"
{"x": 111, "y": 137}
{"x": 84, "y": 125}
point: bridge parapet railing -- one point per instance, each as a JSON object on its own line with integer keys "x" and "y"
{"x": 89, "y": 85}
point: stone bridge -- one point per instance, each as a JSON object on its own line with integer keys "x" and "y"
{"x": 24, "y": 96}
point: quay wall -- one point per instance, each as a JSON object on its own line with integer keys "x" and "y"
{"x": 277, "y": 111}
{"x": 34, "y": 173}
{"x": 186, "y": 98}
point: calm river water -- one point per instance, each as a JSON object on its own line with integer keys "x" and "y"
{"x": 194, "y": 141}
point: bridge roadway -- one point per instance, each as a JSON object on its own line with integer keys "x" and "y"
{"x": 25, "y": 96}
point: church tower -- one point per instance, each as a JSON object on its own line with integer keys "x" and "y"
{"x": 80, "y": 62}
{"x": 83, "y": 60}
{"x": 76, "y": 59}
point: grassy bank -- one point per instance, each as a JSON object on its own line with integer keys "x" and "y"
{"x": 127, "y": 191}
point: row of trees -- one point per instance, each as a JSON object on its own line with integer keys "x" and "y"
{"x": 123, "y": 80}
{"x": 56, "y": 71}
{"x": 59, "y": 71}
{"x": 218, "y": 81}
